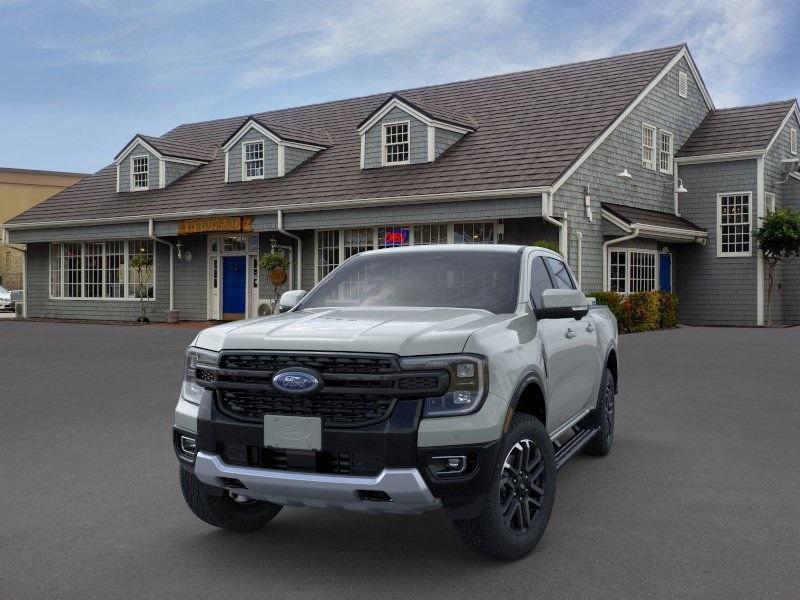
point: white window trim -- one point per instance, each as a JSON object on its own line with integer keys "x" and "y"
{"x": 263, "y": 160}
{"x": 627, "y": 251}
{"x": 383, "y": 143}
{"x": 793, "y": 141}
{"x": 668, "y": 170}
{"x": 411, "y": 240}
{"x": 720, "y": 253}
{"x": 104, "y": 298}
{"x": 651, "y": 165}
{"x": 133, "y": 187}
{"x": 683, "y": 84}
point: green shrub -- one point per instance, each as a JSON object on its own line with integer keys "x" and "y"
{"x": 640, "y": 311}
{"x": 669, "y": 309}
{"x": 548, "y": 244}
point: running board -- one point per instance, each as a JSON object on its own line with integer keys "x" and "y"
{"x": 568, "y": 450}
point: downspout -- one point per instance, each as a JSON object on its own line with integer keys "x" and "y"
{"x": 151, "y": 234}
{"x": 547, "y": 211}
{"x": 580, "y": 257}
{"x": 281, "y": 230}
{"x": 618, "y": 240}
{"x": 675, "y": 187}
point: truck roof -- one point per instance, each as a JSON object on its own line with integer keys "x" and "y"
{"x": 510, "y": 248}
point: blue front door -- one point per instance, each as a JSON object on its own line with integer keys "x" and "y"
{"x": 665, "y": 272}
{"x": 233, "y": 284}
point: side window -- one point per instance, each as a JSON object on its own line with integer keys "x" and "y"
{"x": 540, "y": 281}
{"x": 561, "y": 277}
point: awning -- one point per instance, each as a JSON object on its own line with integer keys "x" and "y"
{"x": 653, "y": 224}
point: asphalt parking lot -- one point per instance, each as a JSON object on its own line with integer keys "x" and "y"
{"x": 699, "y": 498}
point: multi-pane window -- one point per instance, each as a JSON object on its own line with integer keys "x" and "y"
{"x": 665, "y": 152}
{"x": 473, "y": 233}
{"x": 253, "y": 160}
{"x": 430, "y": 234}
{"x": 93, "y": 270}
{"x": 140, "y": 167}
{"x": 648, "y": 146}
{"x": 97, "y": 270}
{"x": 793, "y": 140}
{"x": 632, "y": 271}
{"x": 769, "y": 199}
{"x": 115, "y": 269}
{"x": 327, "y": 252}
{"x": 683, "y": 84}
{"x": 335, "y": 246}
{"x": 396, "y": 143}
{"x": 618, "y": 270}
{"x": 140, "y": 280}
{"x": 733, "y": 230}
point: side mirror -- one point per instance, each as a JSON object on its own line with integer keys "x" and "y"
{"x": 290, "y": 299}
{"x": 562, "y": 304}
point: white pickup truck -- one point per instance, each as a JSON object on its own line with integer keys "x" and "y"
{"x": 459, "y": 377}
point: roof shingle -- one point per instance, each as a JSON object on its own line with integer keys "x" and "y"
{"x": 530, "y": 127}
{"x": 631, "y": 215}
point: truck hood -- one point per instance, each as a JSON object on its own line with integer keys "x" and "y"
{"x": 402, "y": 331}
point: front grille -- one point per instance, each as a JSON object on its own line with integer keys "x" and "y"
{"x": 340, "y": 410}
{"x": 337, "y": 463}
{"x": 357, "y": 389}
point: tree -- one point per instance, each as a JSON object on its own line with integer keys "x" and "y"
{"x": 548, "y": 244}
{"x": 779, "y": 239}
{"x": 276, "y": 266}
{"x": 142, "y": 265}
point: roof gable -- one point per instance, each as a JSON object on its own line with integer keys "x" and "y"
{"x": 167, "y": 149}
{"x": 280, "y": 134}
{"x": 420, "y": 110}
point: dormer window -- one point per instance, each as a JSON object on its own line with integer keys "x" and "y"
{"x": 253, "y": 153}
{"x": 140, "y": 170}
{"x": 396, "y": 148}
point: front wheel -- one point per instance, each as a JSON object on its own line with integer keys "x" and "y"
{"x": 521, "y": 497}
{"x": 228, "y": 511}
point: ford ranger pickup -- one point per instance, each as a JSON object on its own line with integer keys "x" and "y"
{"x": 455, "y": 377}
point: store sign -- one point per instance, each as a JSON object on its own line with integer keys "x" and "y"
{"x": 396, "y": 237}
{"x": 215, "y": 224}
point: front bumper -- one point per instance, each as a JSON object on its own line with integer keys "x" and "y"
{"x": 404, "y": 489}
{"x": 383, "y": 460}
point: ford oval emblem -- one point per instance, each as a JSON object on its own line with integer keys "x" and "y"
{"x": 295, "y": 382}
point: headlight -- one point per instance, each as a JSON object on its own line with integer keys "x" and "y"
{"x": 196, "y": 359}
{"x": 469, "y": 382}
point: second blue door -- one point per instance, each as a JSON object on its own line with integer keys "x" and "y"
{"x": 233, "y": 284}
{"x": 665, "y": 272}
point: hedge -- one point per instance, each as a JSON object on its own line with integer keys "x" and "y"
{"x": 641, "y": 311}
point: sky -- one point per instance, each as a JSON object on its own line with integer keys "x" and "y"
{"x": 80, "y": 78}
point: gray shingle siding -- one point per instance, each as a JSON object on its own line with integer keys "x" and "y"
{"x": 294, "y": 157}
{"x": 418, "y": 138}
{"x": 443, "y": 139}
{"x": 125, "y": 169}
{"x": 191, "y": 278}
{"x": 715, "y": 290}
{"x": 648, "y": 189}
{"x": 175, "y": 170}
{"x": 270, "y": 156}
{"x": 786, "y": 287}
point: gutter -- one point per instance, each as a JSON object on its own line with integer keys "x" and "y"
{"x": 618, "y": 240}
{"x": 152, "y": 236}
{"x": 299, "y": 249}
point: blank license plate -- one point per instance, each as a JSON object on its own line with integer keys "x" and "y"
{"x": 293, "y": 433}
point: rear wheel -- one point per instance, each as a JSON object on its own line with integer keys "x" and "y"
{"x": 520, "y": 501}
{"x": 228, "y": 511}
{"x": 603, "y": 418}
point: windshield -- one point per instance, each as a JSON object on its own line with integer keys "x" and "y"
{"x": 470, "y": 279}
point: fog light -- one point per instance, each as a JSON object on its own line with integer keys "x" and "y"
{"x": 188, "y": 445}
{"x": 448, "y": 465}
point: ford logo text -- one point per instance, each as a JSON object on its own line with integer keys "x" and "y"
{"x": 295, "y": 382}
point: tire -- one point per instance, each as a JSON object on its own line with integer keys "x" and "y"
{"x": 492, "y": 532}
{"x": 603, "y": 417}
{"x": 226, "y": 511}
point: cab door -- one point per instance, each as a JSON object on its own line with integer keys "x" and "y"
{"x": 570, "y": 346}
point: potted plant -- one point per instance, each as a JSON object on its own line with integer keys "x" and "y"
{"x": 276, "y": 265}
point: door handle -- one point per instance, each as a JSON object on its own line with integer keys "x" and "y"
{"x": 570, "y": 333}
{"x": 590, "y": 327}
